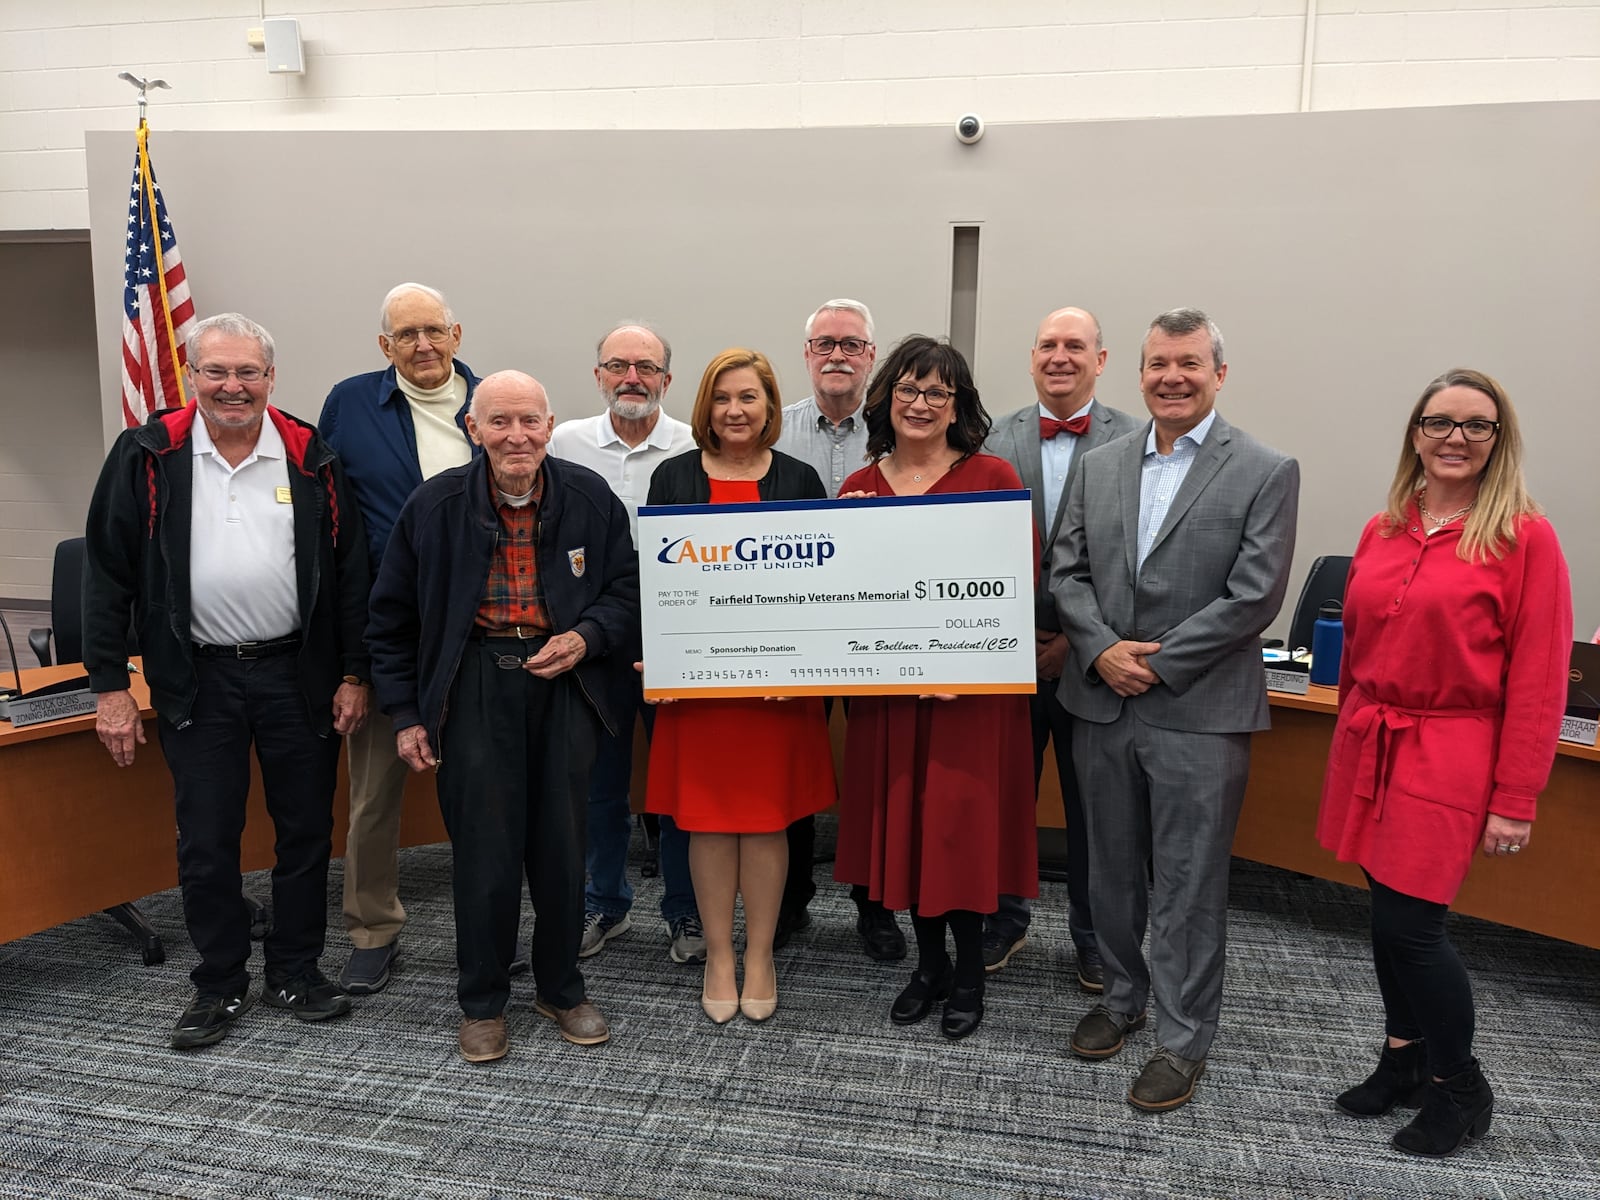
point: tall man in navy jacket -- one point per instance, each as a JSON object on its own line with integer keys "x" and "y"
{"x": 391, "y": 429}
{"x": 503, "y": 625}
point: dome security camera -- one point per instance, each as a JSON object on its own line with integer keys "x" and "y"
{"x": 969, "y": 128}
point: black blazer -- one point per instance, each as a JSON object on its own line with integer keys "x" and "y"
{"x": 682, "y": 480}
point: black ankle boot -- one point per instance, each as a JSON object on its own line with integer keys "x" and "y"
{"x": 1454, "y": 1111}
{"x": 962, "y": 1012}
{"x": 1400, "y": 1078}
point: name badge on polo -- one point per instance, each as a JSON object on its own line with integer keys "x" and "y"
{"x": 285, "y": 496}
{"x": 576, "y": 559}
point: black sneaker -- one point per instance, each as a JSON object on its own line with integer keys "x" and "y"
{"x": 368, "y": 969}
{"x": 207, "y": 1018}
{"x": 309, "y": 996}
{"x": 999, "y": 944}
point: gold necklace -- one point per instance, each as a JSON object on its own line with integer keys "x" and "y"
{"x": 1441, "y": 522}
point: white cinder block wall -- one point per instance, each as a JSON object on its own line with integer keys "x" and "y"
{"x": 681, "y": 64}
{"x": 719, "y": 64}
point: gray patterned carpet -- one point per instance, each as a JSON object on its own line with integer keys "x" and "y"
{"x": 829, "y": 1099}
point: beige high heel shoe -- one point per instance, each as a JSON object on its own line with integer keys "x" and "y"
{"x": 758, "y": 1010}
{"x": 720, "y": 1011}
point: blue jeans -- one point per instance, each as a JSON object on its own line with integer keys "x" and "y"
{"x": 611, "y": 828}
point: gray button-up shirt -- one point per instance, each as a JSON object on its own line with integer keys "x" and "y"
{"x": 836, "y": 451}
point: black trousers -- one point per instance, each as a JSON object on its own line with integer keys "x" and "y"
{"x": 1426, "y": 992}
{"x": 1052, "y": 724}
{"x": 239, "y": 703}
{"x": 514, "y": 792}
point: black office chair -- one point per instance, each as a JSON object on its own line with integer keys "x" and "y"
{"x": 1325, "y": 581}
{"x": 66, "y": 608}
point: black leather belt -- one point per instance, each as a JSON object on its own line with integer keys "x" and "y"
{"x": 511, "y": 633}
{"x": 249, "y": 650}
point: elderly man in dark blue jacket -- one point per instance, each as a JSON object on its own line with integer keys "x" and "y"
{"x": 503, "y": 622}
{"x": 391, "y": 429}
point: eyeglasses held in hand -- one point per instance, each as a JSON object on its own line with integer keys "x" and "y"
{"x": 852, "y": 347}
{"x": 437, "y": 335}
{"x": 934, "y": 397}
{"x": 619, "y": 367}
{"x": 1440, "y": 428}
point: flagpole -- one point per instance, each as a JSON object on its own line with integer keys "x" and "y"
{"x": 149, "y": 188}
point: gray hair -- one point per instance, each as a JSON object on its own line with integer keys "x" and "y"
{"x": 232, "y": 325}
{"x": 666, "y": 346}
{"x": 1181, "y": 321}
{"x": 841, "y": 305}
{"x": 402, "y": 289}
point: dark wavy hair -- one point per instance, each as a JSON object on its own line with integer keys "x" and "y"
{"x": 915, "y": 357}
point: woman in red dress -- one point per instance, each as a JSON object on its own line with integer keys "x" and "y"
{"x": 937, "y": 812}
{"x": 735, "y": 773}
{"x": 1458, "y": 624}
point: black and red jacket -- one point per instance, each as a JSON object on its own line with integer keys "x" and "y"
{"x": 137, "y": 565}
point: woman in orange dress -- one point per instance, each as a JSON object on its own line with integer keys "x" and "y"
{"x": 735, "y": 773}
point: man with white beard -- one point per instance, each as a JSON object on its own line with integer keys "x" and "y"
{"x": 624, "y": 444}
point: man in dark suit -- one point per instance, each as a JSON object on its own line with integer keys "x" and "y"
{"x": 1045, "y": 442}
{"x": 1172, "y": 557}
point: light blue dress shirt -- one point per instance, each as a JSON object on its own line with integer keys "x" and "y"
{"x": 1055, "y": 459}
{"x": 1162, "y": 476}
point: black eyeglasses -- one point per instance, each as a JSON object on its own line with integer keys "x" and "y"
{"x": 437, "y": 335}
{"x": 935, "y": 397}
{"x": 1476, "y": 430}
{"x": 852, "y": 347}
{"x": 619, "y": 366}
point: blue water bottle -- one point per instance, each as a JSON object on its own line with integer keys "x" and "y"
{"x": 1327, "y": 644}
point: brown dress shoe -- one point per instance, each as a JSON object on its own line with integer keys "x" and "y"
{"x": 1167, "y": 1081}
{"x": 582, "y": 1024}
{"x": 482, "y": 1039}
{"x": 1101, "y": 1032}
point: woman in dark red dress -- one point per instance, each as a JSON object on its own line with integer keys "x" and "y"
{"x": 937, "y": 812}
{"x": 735, "y": 773}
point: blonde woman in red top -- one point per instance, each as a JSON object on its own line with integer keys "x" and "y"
{"x": 1458, "y": 623}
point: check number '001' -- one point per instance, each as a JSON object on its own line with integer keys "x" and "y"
{"x": 966, "y": 589}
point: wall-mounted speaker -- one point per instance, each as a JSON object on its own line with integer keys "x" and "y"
{"x": 282, "y": 38}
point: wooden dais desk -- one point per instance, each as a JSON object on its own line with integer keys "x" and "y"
{"x": 1549, "y": 888}
{"x": 79, "y": 834}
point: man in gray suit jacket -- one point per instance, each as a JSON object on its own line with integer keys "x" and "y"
{"x": 1172, "y": 557}
{"x": 1044, "y": 442}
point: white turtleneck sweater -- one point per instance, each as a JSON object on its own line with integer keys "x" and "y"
{"x": 440, "y": 442}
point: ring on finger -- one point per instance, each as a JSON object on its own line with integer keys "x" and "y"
{"x": 1515, "y": 846}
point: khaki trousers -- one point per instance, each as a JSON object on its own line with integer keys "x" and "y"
{"x": 372, "y": 911}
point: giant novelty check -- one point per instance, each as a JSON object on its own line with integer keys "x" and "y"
{"x": 914, "y": 594}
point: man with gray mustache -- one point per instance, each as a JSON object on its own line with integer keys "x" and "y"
{"x": 828, "y": 430}
{"x": 624, "y": 445}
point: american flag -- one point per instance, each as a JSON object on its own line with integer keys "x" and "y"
{"x": 157, "y": 312}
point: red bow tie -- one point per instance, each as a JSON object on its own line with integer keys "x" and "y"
{"x": 1077, "y": 426}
